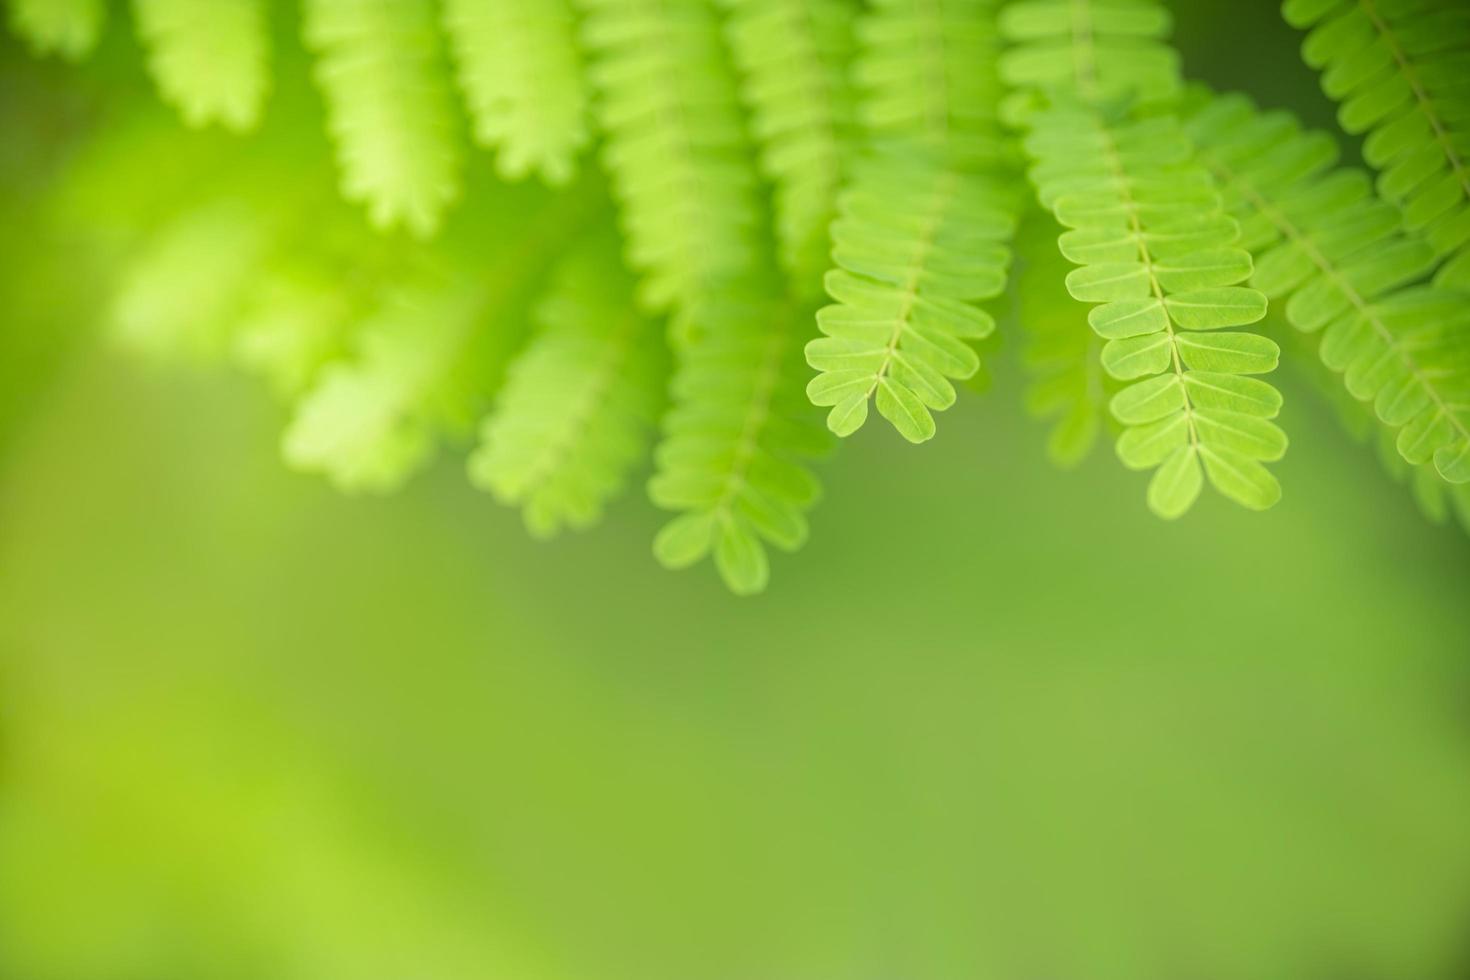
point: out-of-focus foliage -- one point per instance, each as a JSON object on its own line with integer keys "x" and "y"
{"x": 252, "y": 731}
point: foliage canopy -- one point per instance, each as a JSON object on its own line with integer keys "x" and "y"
{"x": 701, "y": 224}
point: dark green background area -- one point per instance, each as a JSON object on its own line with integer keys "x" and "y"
{"x": 995, "y": 721}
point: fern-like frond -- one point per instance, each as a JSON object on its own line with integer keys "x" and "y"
{"x": 306, "y": 303}
{"x": 924, "y": 224}
{"x": 918, "y": 244}
{"x": 428, "y": 360}
{"x": 1399, "y": 70}
{"x": 676, "y": 147}
{"x": 294, "y": 322}
{"x": 1440, "y": 501}
{"x": 389, "y": 107}
{"x": 209, "y": 58}
{"x": 1336, "y": 253}
{"x": 793, "y": 56}
{"x": 1156, "y": 252}
{"x": 373, "y": 421}
{"x": 69, "y": 28}
{"x": 579, "y": 405}
{"x": 1067, "y": 383}
{"x": 926, "y": 71}
{"x": 521, "y": 73}
{"x": 1094, "y": 51}
{"x": 1435, "y": 498}
{"x": 734, "y": 457}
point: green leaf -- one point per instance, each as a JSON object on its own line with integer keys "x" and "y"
{"x": 1209, "y": 309}
{"x": 389, "y": 107}
{"x": 1137, "y": 357}
{"x": 1453, "y": 462}
{"x": 1129, "y": 318}
{"x": 1109, "y": 281}
{"x": 900, "y": 406}
{"x": 1228, "y": 353}
{"x": 741, "y": 559}
{"x": 1240, "y": 478}
{"x": 1146, "y": 446}
{"x": 684, "y": 540}
{"x": 1203, "y": 269}
{"x": 1248, "y": 435}
{"x": 1176, "y": 485}
{"x": 69, "y": 28}
{"x": 1149, "y": 401}
{"x": 520, "y": 69}
{"x": 1208, "y": 389}
{"x": 210, "y": 58}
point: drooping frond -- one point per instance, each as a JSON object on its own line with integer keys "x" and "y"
{"x": 231, "y": 252}
{"x": 1326, "y": 242}
{"x": 733, "y": 460}
{"x": 1066, "y": 381}
{"x": 918, "y": 244}
{"x": 926, "y": 71}
{"x": 793, "y": 56}
{"x": 924, "y": 224}
{"x": 1435, "y": 498}
{"x": 1440, "y": 501}
{"x": 189, "y": 283}
{"x": 676, "y": 147}
{"x": 1399, "y": 68}
{"x": 295, "y": 321}
{"x": 69, "y": 28}
{"x": 1094, "y": 51}
{"x": 209, "y": 58}
{"x": 1156, "y": 252}
{"x": 580, "y": 402}
{"x": 521, "y": 73}
{"x": 389, "y": 107}
{"x": 428, "y": 360}
{"x": 302, "y": 311}
{"x": 247, "y": 252}
{"x": 373, "y": 421}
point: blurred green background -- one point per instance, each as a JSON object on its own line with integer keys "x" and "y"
{"x": 993, "y": 722}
